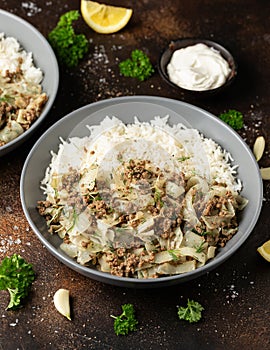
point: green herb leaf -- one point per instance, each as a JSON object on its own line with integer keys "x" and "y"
{"x": 191, "y": 313}
{"x": 158, "y": 197}
{"x": 69, "y": 47}
{"x": 173, "y": 255}
{"x": 126, "y": 322}
{"x": 199, "y": 248}
{"x": 182, "y": 159}
{"x": 233, "y": 118}
{"x": 16, "y": 276}
{"x": 138, "y": 66}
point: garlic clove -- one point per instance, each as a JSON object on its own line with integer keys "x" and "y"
{"x": 265, "y": 173}
{"x": 61, "y": 302}
{"x": 258, "y": 147}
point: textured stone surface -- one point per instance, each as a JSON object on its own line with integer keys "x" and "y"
{"x": 235, "y": 296}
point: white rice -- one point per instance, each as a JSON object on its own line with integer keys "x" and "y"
{"x": 10, "y": 54}
{"x": 201, "y": 155}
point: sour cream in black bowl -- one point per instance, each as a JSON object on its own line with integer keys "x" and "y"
{"x": 197, "y": 65}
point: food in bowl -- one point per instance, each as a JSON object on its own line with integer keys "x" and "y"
{"x": 198, "y": 67}
{"x": 141, "y": 200}
{"x": 21, "y": 95}
{"x": 194, "y": 75}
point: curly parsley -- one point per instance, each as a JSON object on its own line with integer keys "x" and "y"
{"x": 233, "y": 118}
{"x": 138, "y": 66}
{"x": 191, "y": 313}
{"x": 126, "y": 322}
{"x": 68, "y": 46}
{"x": 16, "y": 276}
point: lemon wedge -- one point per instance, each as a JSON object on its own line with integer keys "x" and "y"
{"x": 264, "y": 250}
{"x": 103, "y": 18}
{"x": 61, "y": 302}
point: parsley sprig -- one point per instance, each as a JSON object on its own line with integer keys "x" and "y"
{"x": 192, "y": 312}
{"x": 233, "y": 118}
{"x": 138, "y": 66}
{"x": 68, "y": 46}
{"x": 16, "y": 276}
{"x": 126, "y": 322}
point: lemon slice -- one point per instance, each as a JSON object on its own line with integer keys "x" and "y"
{"x": 103, "y": 18}
{"x": 61, "y": 302}
{"x": 264, "y": 250}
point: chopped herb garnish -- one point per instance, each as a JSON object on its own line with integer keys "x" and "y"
{"x": 205, "y": 233}
{"x": 182, "y": 159}
{"x": 199, "y": 248}
{"x": 202, "y": 233}
{"x": 158, "y": 197}
{"x": 74, "y": 217}
{"x": 173, "y": 255}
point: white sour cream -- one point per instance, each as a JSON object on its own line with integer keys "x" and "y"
{"x": 198, "y": 67}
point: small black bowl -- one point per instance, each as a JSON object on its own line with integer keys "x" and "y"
{"x": 185, "y": 42}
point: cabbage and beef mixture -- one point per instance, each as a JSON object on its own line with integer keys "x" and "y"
{"x": 131, "y": 214}
{"x": 21, "y": 95}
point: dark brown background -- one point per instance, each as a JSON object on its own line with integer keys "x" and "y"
{"x": 236, "y": 295}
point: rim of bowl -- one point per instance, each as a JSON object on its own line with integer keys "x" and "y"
{"x": 176, "y": 44}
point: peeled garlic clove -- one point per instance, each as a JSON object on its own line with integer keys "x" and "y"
{"x": 265, "y": 173}
{"x": 258, "y": 147}
{"x": 61, "y": 302}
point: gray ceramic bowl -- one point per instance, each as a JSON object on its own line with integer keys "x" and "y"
{"x": 32, "y": 41}
{"x": 145, "y": 108}
{"x": 185, "y": 42}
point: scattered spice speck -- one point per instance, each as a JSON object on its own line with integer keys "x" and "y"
{"x": 13, "y": 324}
{"x": 9, "y": 209}
{"x": 31, "y": 8}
